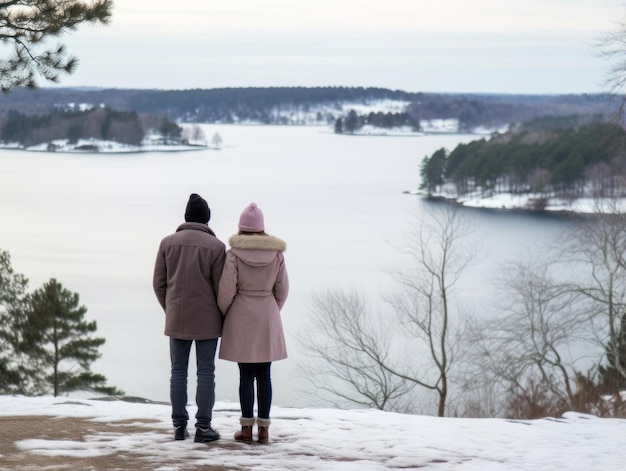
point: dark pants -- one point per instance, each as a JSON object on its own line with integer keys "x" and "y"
{"x": 205, "y": 391}
{"x": 248, "y": 372}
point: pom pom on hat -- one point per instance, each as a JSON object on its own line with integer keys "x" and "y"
{"x": 251, "y": 219}
{"x": 197, "y": 209}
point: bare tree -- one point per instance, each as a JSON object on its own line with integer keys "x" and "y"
{"x": 438, "y": 256}
{"x": 560, "y": 314}
{"x": 600, "y": 176}
{"x": 596, "y": 247}
{"x": 380, "y": 361}
{"x": 612, "y": 47}
{"x": 197, "y": 135}
{"x": 526, "y": 350}
{"x": 351, "y": 349}
{"x": 194, "y": 135}
{"x": 28, "y": 24}
{"x": 217, "y": 140}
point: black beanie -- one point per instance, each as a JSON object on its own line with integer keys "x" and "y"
{"x": 197, "y": 209}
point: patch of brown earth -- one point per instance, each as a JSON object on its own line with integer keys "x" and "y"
{"x": 15, "y": 429}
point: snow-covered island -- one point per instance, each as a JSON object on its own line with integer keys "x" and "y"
{"x": 152, "y": 142}
{"x": 87, "y": 128}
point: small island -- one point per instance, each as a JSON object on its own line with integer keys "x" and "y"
{"x": 89, "y": 129}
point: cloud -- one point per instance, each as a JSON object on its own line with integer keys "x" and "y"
{"x": 452, "y": 45}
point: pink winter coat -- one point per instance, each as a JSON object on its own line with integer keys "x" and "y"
{"x": 252, "y": 290}
{"x": 186, "y": 276}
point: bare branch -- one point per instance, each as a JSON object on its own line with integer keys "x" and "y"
{"x": 356, "y": 347}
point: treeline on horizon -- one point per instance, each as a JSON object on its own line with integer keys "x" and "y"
{"x": 269, "y": 105}
{"x": 566, "y": 157}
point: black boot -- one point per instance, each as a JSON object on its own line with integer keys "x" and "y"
{"x": 207, "y": 434}
{"x": 180, "y": 432}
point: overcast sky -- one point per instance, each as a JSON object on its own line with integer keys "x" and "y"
{"x": 509, "y": 46}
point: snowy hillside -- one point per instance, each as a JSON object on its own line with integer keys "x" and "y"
{"x": 67, "y": 433}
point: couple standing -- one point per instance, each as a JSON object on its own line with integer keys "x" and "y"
{"x": 208, "y": 292}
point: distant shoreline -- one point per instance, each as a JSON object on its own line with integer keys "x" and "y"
{"x": 557, "y": 213}
{"x": 523, "y": 204}
{"x": 103, "y": 148}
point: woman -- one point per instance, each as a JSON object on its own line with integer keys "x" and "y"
{"x": 252, "y": 290}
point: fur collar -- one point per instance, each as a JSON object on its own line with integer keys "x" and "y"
{"x": 258, "y": 242}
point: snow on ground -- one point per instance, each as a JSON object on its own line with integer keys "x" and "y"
{"x": 440, "y": 125}
{"x": 100, "y": 146}
{"x": 428, "y": 126}
{"x": 375, "y": 106}
{"x": 511, "y": 201}
{"x": 330, "y": 439}
{"x": 369, "y": 130}
{"x": 524, "y": 201}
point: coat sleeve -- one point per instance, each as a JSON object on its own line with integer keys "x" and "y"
{"x": 281, "y": 286}
{"x": 216, "y": 270}
{"x": 228, "y": 283}
{"x": 159, "y": 279}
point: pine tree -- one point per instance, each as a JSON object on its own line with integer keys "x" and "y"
{"x": 432, "y": 171}
{"x": 351, "y": 122}
{"x": 339, "y": 126}
{"x": 26, "y": 25}
{"x": 57, "y": 338}
{"x": 12, "y": 292}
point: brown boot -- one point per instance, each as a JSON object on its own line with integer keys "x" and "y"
{"x": 245, "y": 434}
{"x": 264, "y": 430}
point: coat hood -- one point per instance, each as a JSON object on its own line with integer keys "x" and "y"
{"x": 256, "y": 249}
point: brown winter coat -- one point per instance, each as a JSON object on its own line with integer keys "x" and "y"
{"x": 187, "y": 270}
{"x": 252, "y": 290}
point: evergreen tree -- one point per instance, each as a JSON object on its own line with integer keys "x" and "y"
{"x": 171, "y": 131}
{"x": 433, "y": 170}
{"x": 12, "y": 293}
{"x": 28, "y": 24}
{"x": 339, "y": 126}
{"x": 351, "y": 122}
{"x": 57, "y": 338}
{"x": 512, "y": 162}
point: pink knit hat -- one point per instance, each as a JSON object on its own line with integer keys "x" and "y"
{"x": 251, "y": 219}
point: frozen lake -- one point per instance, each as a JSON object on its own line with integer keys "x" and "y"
{"x": 94, "y": 223}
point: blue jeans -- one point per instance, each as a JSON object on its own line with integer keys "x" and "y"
{"x": 248, "y": 372}
{"x": 205, "y": 391}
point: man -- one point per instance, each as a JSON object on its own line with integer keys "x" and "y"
{"x": 187, "y": 272}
